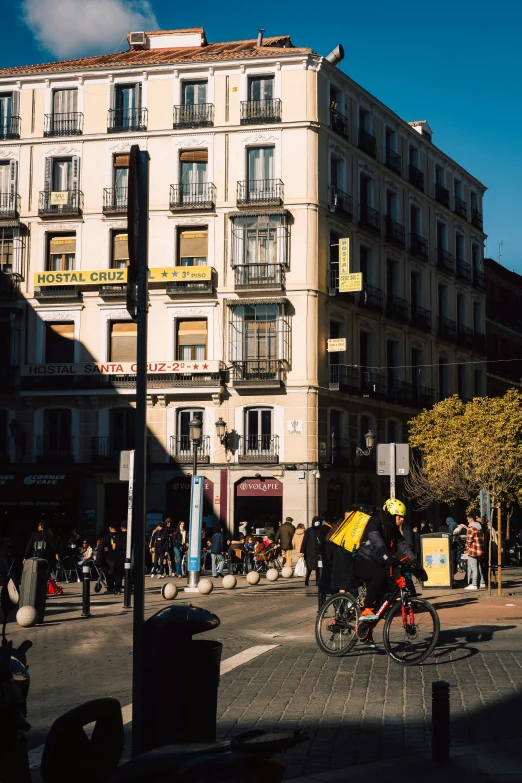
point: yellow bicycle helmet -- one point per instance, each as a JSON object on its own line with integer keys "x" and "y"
{"x": 395, "y": 507}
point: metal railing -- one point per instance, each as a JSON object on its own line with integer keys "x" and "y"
{"x": 393, "y": 160}
{"x": 464, "y": 334}
{"x": 9, "y": 205}
{"x": 370, "y": 218}
{"x": 416, "y": 176}
{"x": 182, "y": 449}
{"x": 63, "y": 124}
{"x": 446, "y": 328}
{"x": 373, "y": 383}
{"x": 127, "y": 120}
{"x": 179, "y": 287}
{"x": 479, "y": 279}
{"x": 103, "y": 382}
{"x": 463, "y": 270}
{"x": 257, "y": 372}
{"x": 9, "y": 286}
{"x": 199, "y": 195}
{"x": 418, "y": 246}
{"x": 54, "y": 449}
{"x": 397, "y": 308}
{"x": 341, "y": 450}
{"x": 341, "y": 377}
{"x": 340, "y": 202}
{"x": 10, "y": 127}
{"x": 461, "y": 207}
{"x": 445, "y": 260}
{"x": 423, "y": 396}
{"x": 476, "y": 219}
{"x": 115, "y": 200}
{"x": 421, "y": 318}
{"x": 339, "y": 123}
{"x": 371, "y": 297}
{"x": 367, "y": 143}
{"x": 442, "y": 194}
{"x": 197, "y": 115}
{"x": 260, "y": 191}
{"x": 72, "y": 203}
{"x": 57, "y": 292}
{"x": 259, "y": 448}
{"x": 259, "y": 276}
{"x": 258, "y": 112}
{"x": 395, "y": 232}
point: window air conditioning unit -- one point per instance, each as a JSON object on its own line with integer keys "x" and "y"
{"x": 138, "y": 41}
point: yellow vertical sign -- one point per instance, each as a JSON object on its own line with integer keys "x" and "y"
{"x": 344, "y": 264}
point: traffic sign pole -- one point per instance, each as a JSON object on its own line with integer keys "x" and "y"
{"x": 392, "y": 470}
{"x": 127, "y": 585}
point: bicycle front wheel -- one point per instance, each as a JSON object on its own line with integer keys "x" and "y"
{"x": 336, "y": 624}
{"x": 411, "y": 638}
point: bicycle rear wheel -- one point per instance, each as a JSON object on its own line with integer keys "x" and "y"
{"x": 336, "y": 624}
{"x": 412, "y": 639}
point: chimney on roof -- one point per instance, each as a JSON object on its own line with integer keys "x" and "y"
{"x": 260, "y": 36}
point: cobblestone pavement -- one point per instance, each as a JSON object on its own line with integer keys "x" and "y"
{"x": 356, "y": 709}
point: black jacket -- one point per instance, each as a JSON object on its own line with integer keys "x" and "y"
{"x": 39, "y": 545}
{"x": 161, "y": 540}
{"x": 313, "y": 545}
{"x": 113, "y": 547}
{"x": 217, "y": 543}
{"x": 381, "y": 539}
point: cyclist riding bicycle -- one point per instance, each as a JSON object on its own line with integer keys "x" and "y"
{"x": 382, "y": 537}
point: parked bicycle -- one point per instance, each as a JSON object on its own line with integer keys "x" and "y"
{"x": 411, "y": 624}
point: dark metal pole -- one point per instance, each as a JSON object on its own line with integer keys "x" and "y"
{"x": 86, "y": 591}
{"x": 127, "y": 585}
{"x": 139, "y": 678}
{"x": 440, "y": 721}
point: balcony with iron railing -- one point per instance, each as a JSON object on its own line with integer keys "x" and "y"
{"x": 371, "y": 297}
{"x": 341, "y": 451}
{"x": 182, "y": 449}
{"x": 395, "y": 232}
{"x": 373, "y": 384}
{"x": 423, "y": 396}
{"x": 113, "y": 291}
{"x": 333, "y": 286}
{"x": 418, "y": 246}
{"x": 106, "y": 450}
{"x": 367, "y": 142}
{"x": 57, "y": 292}
{"x": 342, "y": 377}
{"x": 263, "y": 192}
{"x": 463, "y": 270}
{"x": 416, "y": 177}
{"x": 107, "y": 381}
{"x": 393, "y": 161}
{"x": 399, "y": 392}
{"x": 9, "y": 206}
{"x": 446, "y": 328}
{"x": 197, "y": 115}
{"x": 340, "y": 203}
{"x": 370, "y": 219}
{"x": 445, "y": 260}
{"x": 260, "y": 112}
{"x": 194, "y": 196}
{"x": 9, "y": 127}
{"x": 192, "y": 286}
{"x": 258, "y": 372}
{"x": 465, "y": 335}
{"x": 479, "y": 279}
{"x": 461, "y": 208}
{"x": 127, "y": 120}
{"x": 63, "y": 124}
{"x": 259, "y": 448}
{"x": 397, "y": 308}
{"x": 442, "y": 194}
{"x": 50, "y": 449}
{"x": 476, "y": 219}
{"x": 339, "y": 123}
{"x": 421, "y": 318}
{"x": 64, "y": 203}
{"x": 115, "y": 201}
{"x": 270, "y": 276}
{"x": 479, "y": 342}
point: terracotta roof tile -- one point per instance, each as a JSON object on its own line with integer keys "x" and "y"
{"x": 138, "y": 57}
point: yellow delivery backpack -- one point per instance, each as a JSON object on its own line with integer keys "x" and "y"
{"x": 349, "y": 532}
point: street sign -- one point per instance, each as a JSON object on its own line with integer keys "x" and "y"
{"x": 384, "y": 459}
{"x": 353, "y": 281}
{"x": 336, "y": 344}
{"x": 125, "y": 459}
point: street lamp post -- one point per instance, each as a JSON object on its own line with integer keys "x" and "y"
{"x": 370, "y": 444}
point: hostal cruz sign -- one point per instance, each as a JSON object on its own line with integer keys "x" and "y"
{"x": 110, "y": 276}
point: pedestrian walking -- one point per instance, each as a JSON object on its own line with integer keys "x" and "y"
{"x": 160, "y": 542}
{"x": 179, "y": 544}
{"x": 41, "y": 544}
{"x": 113, "y": 553}
{"x": 475, "y": 552}
{"x": 310, "y": 549}
{"x": 217, "y": 551}
{"x": 284, "y": 537}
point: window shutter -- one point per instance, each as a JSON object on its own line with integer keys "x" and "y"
{"x": 120, "y": 247}
{"x": 13, "y": 166}
{"x": 15, "y": 103}
{"x": 60, "y": 245}
{"x": 121, "y": 161}
{"x": 123, "y": 342}
{"x": 194, "y": 156}
{"x": 48, "y": 173}
{"x": 192, "y": 333}
{"x": 193, "y": 244}
{"x": 75, "y": 173}
{"x": 138, "y": 93}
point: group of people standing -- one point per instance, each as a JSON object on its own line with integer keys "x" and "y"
{"x": 168, "y": 545}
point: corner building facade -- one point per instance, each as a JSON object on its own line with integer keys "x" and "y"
{"x": 262, "y": 156}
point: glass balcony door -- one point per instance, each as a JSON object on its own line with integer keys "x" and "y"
{"x": 260, "y": 165}
{"x": 261, "y": 88}
{"x": 194, "y": 93}
{"x": 6, "y": 111}
{"x": 62, "y": 174}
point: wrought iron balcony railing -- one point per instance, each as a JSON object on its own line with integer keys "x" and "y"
{"x": 464, "y": 334}
{"x": 341, "y": 451}
{"x": 372, "y": 297}
{"x": 182, "y": 449}
{"x": 106, "y": 449}
{"x": 64, "y": 202}
{"x": 63, "y": 124}
{"x": 397, "y": 308}
{"x": 423, "y": 396}
{"x": 258, "y": 372}
{"x": 393, "y": 160}
{"x": 60, "y": 449}
{"x": 197, "y": 115}
{"x": 421, "y": 318}
{"x": 57, "y": 292}
{"x": 127, "y": 120}
{"x": 463, "y": 270}
{"x": 445, "y": 260}
{"x": 339, "y": 123}
{"x": 418, "y": 246}
{"x": 479, "y": 279}
{"x": 416, "y": 177}
{"x": 259, "y": 276}
{"x": 260, "y": 112}
{"x": 115, "y": 200}
{"x": 259, "y": 448}
{"x": 442, "y": 194}
{"x": 461, "y": 208}
{"x": 370, "y": 219}
{"x": 476, "y": 219}
{"x": 9, "y": 205}
{"x": 395, "y": 232}
{"x": 447, "y": 328}
{"x": 343, "y": 378}
{"x": 373, "y": 383}
{"x": 367, "y": 143}
{"x": 179, "y": 287}
{"x": 10, "y": 127}
{"x": 199, "y": 195}
{"x": 260, "y": 191}
{"x": 340, "y": 203}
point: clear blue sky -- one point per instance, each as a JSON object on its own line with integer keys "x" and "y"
{"x": 456, "y": 63}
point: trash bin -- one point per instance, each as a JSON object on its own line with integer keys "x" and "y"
{"x": 437, "y": 559}
{"x": 33, "y": 590}
{"x": 180, "y": 702}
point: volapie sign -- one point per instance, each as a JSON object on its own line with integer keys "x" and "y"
{"x": 120, "y": 368}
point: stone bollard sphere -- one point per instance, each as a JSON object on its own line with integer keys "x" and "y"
{"x": 205, "y": 586}
{"x": 27, "y": 616}
{"x": 229, "y": 582}
{"x": 253, "y": 577}
{"x": 287, "y": 572}
{"x": 272, "y": 574}
{"x": 169, "y": 591}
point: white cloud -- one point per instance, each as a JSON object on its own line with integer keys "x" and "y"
{"x": 70, "y": 28}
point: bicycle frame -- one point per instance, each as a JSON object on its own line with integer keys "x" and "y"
{"x": 399, "y": 589}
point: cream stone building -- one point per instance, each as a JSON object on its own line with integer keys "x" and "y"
{"x": 263, "y": 156}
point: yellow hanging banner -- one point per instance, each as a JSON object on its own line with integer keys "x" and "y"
{"x": 344, "y": 263}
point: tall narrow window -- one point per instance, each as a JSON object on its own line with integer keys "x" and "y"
{"x": 478, "y": 382}
{"x": 258, "y": 430}
{"x": 9, "y": 127}
{"x": 192, "y": 247}
{"x": 57, "y": 440}
{"x": 392, "y": 278}
{"x": 443, "y": 301}
{"x": 192, "y": 340}
{"x": 441, "y": 236}
{"x": 461, "y": 381}
{"x": 4, "y": 434}
{"x": 65, "y": 117}
{"x": 120, "y": 250}
{"x": 59, "y": 343}
{"x": 459, "y": 247}
{"x": 261, "y": 88}
{"x": 477, "y": 317}
{"x": 122, "y": 342}
{"x": 62, "y": 174}
{"x": 415, "y": 291}
{"x": 194, "y": 93}
{"x": 6, "y": 250}
{"x": 415, "y": 220}
{"x": 416, "y": 368}
{"x": 62, "y": 253}
{"x": 120, "y": 177}
{"x": 127, "y": 104}
{"x": 185, "y": 444}
{"x": 260, "y": 167}
{"x": 121, "y": 428}
{"x": 193, "y": 174}
{"x": 439, "y": 175}
{"x": 444, "y": 389}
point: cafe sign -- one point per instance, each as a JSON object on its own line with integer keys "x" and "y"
{"x": 120, "y": 368}
{"x": 117, "y": 276}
